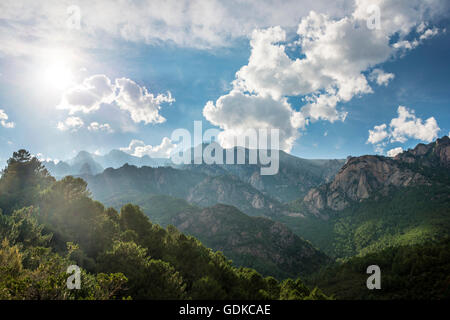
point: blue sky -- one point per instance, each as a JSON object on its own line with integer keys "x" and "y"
{"x": 196, "y": 60}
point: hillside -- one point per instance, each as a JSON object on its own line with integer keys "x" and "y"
{"x": 377, "y": 202}
{"x": 417, "y": 272}
{"x": 259, "y": 243}
{"x": 255, "y": 242}
{"x": 132, "y": 183}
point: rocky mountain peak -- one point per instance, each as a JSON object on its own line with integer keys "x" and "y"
{"x": 363, "y": 176}
{"x": 433, "y": 154}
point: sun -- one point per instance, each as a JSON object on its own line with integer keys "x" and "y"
{"x": 53, "y": 69}
{"x": 57, "y": 75}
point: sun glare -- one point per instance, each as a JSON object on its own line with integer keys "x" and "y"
{"x": 55, "y": 69}
{"x": 57, "y": 75}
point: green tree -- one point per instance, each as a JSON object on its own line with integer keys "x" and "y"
{"x": 148, "y": 279}
{"x": 22, "y": 180}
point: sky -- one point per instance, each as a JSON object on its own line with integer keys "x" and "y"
{"x": 337, "y": 78}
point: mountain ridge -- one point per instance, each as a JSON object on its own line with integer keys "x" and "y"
{"x": 361, "y": 177}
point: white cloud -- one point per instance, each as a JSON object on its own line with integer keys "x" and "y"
{"x": 139, "y": 149}
{"x": 41, "y": 158}
{"x": 96, "y": 90}
{"x": 142, "y": 105}
{"x": 71, "y": 123}
{"x": 423, "y": 35}
{"x": 405, "y": 126}
{"x": 378, "y": 134}
{"x": 402, "y": 15}
{"x": 4, "y": 120}
{"x": 395, "y": 151}
{"x": 95, "y": 126}
{"x": 380, "y": 77}
{"x": 429, "y": 33}
{"x": 406, "y": 45}
{"x": 379, "y": 148}
{"x": 236, "y": 112}
{"x": 335, "y": 55}
{"x": 88, "y": 96}
{"x": 192, "y": 23}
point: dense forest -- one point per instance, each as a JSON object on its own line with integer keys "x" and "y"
{"x": 408, "y": 272}
{"x": 405, "y": 216}
{"x": 48, "y": 225}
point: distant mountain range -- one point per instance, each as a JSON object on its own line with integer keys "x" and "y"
{"x": 130, "y": 183}
{"x": 85, "y": 163}
{"x": 296, "y": 176}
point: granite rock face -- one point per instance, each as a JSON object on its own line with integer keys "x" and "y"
{"x": 362, "y": 176}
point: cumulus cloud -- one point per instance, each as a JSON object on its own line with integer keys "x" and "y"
{"x": 142, "y": 105}
{"x": 407, "y": 125}
{"x": 88, "y": 96}
{"x": 4, "y": 120}
{"x": 95, "y": 126}
{"x": 378, "y": 134}
{"x": 96, "y": 90}
{"x": 139, "y": 149}
{"x": 404, "y": 127}
{"x": 236, "y": 112}
{"x": 380, "y": 77}
{"x": 70, "y": 124}
{"x": 334, "y": 56}
{"x": 395, "y": 151}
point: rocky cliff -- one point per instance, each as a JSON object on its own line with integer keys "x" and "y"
{"x": 361, "y": 177}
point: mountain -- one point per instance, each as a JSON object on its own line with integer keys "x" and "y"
{"x": 364, "y": 176}
{"x": 436, "y": 154}
{"x": 295, "y": 177}
{"x": 59, "y": 169}
{"x": 132, "y": 183}
{"x": 117, "y": 158}
{"x": 83, "y": 158}
{"x": 255, "y": 242}
{"x": 375, "y": 202}
{"x": 359, "y": 178}
{"x": 85, "y": 163}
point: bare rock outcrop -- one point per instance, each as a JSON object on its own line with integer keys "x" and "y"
{"x": 362, "y": 176}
